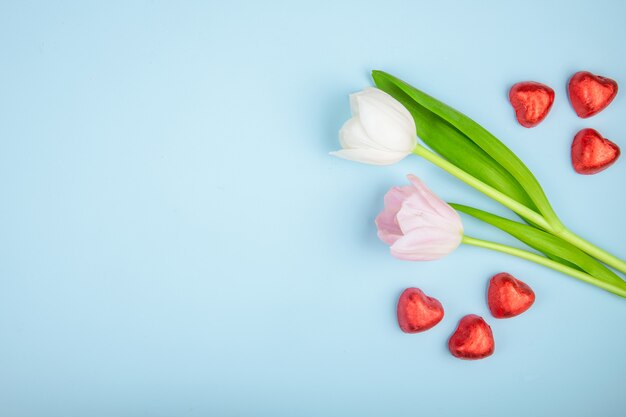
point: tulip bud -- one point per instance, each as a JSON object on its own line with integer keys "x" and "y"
{"x": 380, "y": 132}
{"x": 417, "y": 224}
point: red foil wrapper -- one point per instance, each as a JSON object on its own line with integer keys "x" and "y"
{"x": 591, "y": 153}
{"x": 472, "y": 339}
{"x": 417, "y": 312}
{"x": 590, "y": 94}
{"x": 531, "y": 101}
{"x": 507, "y": 296}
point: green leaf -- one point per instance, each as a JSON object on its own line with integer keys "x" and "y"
{"x": 550, "y": 245}
{"x": 484, "y": 140}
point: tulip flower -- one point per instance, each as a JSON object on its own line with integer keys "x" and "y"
{"x": 417, "y": 224}
{"x": 380, "y": 132}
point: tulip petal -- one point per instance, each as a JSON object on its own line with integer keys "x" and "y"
{"x": 413, "y": 215}
{"x": 388, "y": 229}
{"x": 425, "y": 244}
{"x": 370, "y": 156}
{"x": 385, "y": 125}
{"x": 353, "y": 136}
{"x": 430, "y": 198}
{"x": 384, "y": 98}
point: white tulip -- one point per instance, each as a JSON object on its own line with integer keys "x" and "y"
{"x": 381, "y": 131}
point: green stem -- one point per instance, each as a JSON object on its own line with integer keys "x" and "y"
{"x": 615, "y": 288}
{"x": 500, "y": 197}
{"x": 555, "y": 227}
{"x": 592, "y": 250}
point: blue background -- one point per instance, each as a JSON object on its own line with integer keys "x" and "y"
{"x": 176, "y": 241}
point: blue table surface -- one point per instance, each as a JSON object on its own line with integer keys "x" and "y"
{"x": 176, "y": 241}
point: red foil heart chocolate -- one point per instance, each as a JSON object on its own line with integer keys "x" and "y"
{"x": 531, "y": 101}
{"x": 590, "y": 94}
{"x": 591, "y": 153}
{"x": 472, "y": 339}
{"x": 417, "y": 312}
{"x": 507, "y": 296}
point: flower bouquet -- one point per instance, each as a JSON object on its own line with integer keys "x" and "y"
{"x": 386, "y": 124}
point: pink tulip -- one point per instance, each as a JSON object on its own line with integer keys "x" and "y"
{"x": 417, "y": 224}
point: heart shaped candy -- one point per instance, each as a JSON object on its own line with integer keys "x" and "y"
{"x": 417, "y": 312}
{"x": 591, "y": 153}
{"x": 531, "y": 101}
{"x": 507, "y": 296}
{"x": 590, "y": 94}
{"x": 472, "y": 339}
